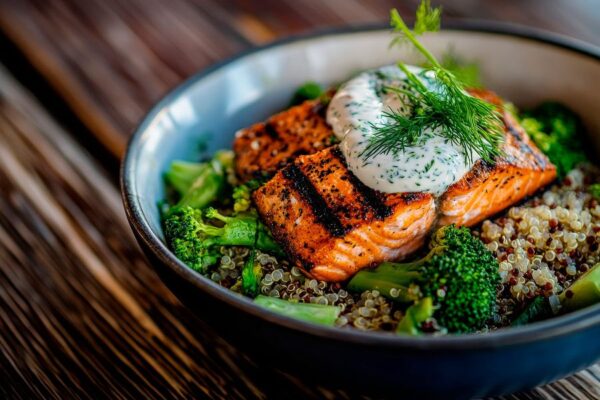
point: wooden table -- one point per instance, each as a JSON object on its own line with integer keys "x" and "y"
{"x": 82, "y": 315}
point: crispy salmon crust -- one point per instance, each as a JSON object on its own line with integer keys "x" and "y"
{"x": 332, "y": 225}
{"x": 488, "y": 189}
{"x": 264, "y": 148}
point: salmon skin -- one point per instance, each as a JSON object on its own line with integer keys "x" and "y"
{"x": 490, "y": 188}
{"x": 332, "y": 225}
{"x": 264, "y": 148}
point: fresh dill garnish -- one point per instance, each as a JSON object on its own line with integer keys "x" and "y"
{"x": 443, "y": 107}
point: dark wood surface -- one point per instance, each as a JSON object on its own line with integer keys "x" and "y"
{"x": 82, "y": 315}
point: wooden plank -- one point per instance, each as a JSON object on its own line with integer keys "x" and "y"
{"x": 110, "y": 60}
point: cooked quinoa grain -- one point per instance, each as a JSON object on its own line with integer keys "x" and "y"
{"x": 545, "y": 244}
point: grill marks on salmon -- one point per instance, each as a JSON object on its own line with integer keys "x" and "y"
{"x": 332, "y": 225}
{"x": 488, "y": 189}
{"x": 266, "y": 147}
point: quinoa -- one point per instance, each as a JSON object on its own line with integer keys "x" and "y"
{"x": 366, "y": 311}
{"x": 545, "y": 244}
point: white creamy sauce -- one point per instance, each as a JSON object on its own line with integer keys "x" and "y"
{"x": 431, "y": 165}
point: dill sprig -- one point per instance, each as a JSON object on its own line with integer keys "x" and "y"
{"x": 444, "y": 106}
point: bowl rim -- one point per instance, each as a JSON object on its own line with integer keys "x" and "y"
{"x": 554, "y": 327}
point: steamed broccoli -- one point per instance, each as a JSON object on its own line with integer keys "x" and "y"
{"x": 193, "y": 240}
{"x": 584, "y": 292}
{"x": 199, "y": 184}
{"x": 459, "y": 274}
{"x": 414, "y": 317}
{"x": 556, "y": 130}
{"x": 310, "y": 312}
{"x": 182, "y": 230}
{"x": 251, "y": 275}
{"x": 241, "y": 230}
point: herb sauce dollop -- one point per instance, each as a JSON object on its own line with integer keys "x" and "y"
{"x": 431, "y": 165}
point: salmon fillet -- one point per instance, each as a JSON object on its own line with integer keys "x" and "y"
{"x": 488, "y": 189}
{"x": 332, "y": 225}
{"x": 265, "y": 147}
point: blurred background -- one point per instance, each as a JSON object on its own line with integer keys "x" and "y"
{"x": 82, "y": 315}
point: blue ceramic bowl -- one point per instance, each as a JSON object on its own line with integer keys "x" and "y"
{"x": 522, "y": 65}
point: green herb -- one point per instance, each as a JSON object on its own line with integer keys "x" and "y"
{"x": 537, "y": 310}
{"x": 308, "y": 91}
{"x": 446, "y": 107}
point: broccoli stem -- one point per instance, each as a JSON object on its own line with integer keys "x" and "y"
{"x": 251, "y": 274}
{"x": 392, "y": 281}
{"x": 204, "y": 190}
{"x": 584, "y": 292}
{"x": 415, "y": 315}
{"x": 238, "y": 231}
{"x": 388, "y": 276}
{"x": 182, "y": 174}
{"x": 315, "y": 313}
{"x": 199, "y": 184}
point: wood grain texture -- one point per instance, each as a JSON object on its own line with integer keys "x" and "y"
{"x": 110, "y": 60}
{"x": 81, "y": 313}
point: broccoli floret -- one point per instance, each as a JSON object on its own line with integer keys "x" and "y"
{"x": 241, "y": 198}
{"x": 556, "y": 130}
{"x": 594, "y": 190}
{"x": 194, "y": 241}
{"x": 182, "y": 230}
{"x": 199, "y": 184}
{"x": 459, "y": 274}
{"x": 242, "y": 194}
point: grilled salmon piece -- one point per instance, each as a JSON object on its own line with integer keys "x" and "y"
{"x": 332, "y": 225}
{"x": 488, "y": 189}
{"x": 266, "y": 147}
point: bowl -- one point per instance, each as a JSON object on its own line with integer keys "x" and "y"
{"x": 523, "y": 65}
